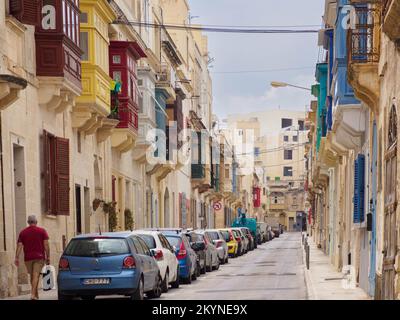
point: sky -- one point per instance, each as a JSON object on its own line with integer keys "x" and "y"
{"x": 248, "y": 92}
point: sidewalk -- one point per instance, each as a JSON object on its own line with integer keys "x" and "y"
{"x": 323, "y": 282}
{"x": 43, "y": 295}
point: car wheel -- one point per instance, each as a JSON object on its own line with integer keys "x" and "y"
{"x": 198, "y": 270}
{"x": 165, "y": 284}
{"x": 209, "y": 267}
{"x": 226, "y": 260}
{"x": 88, "y": 298}
{"x": 217, "y": 266}
{"x": 176, "y": 283}
{"x": 61, "y": 296}
{"x": 204, "y": 269}
{"x": 187, "y": 280}
{"x": 157, "y": 291}
{"x": 139, "y": 293}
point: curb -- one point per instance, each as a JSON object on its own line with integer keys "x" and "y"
{"x": 311, "y": 294}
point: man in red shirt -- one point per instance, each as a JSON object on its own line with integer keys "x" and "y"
{"x": 35, "y": 243}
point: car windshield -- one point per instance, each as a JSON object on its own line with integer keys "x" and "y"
{"x": 151, "y": 243}
{"x": 174, "y": 241}
{"x": 226, "y": 235}
{"x": 96, "y": 247}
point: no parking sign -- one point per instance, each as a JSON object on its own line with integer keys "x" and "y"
{"x": 217, "y": 206}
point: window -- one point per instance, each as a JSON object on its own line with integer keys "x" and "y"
{"x": 144, "y": 246}
{"x": 295, "y": 138}
{"x": 25, "y": 11}
{"x": 277, "y": 178}
{"x": 301, "y": 125}
{"x": 116, "y": 59}
{"x": 256, "y": 152}
{"x": 84, "y": 17}
{"x": 79, "y": 141}
{"x": 56, "y": 174}
{"x": 286, "y": 123}
{"x": 275, "y": 200}
{"x": 286, "y": 138}
{"x": 84, "y": 45}
{"x": 288, "y": 171}
{"x": 151, "y": 243}
{"x": 117, "y": 75}
{"x": 139, "y": 248}
{"x": 97, "y": 247}
{"x": 227, "y": 173}
{"x": 288, "y": 154}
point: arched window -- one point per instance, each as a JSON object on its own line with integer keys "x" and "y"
{"x": 392, "y": 128}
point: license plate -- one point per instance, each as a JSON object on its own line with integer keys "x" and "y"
{"x": 96, "y": 281}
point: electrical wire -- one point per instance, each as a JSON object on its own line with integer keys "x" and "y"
{"x": 214, "y": 29}
{"x": 260, "y": 71}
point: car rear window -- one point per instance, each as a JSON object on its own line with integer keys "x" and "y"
{"x": 96, "y": 247}
{"x": 150, "y": 241}
{"x": 213, "y": 235}
{"x": 226, "y": 235}
{"x": 174, "y": 241}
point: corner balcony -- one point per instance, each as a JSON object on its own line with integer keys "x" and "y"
{"x": 391, "y": 18}
{"x": 364, "y": 53}
{"x": 348, "y": 128}
{"x": 201, "y": 177}
{"x": 124, "y": 136}
{"x": 144, "y": 142}
{"x": 10, "y": 87}
{"x": 94, "y": 103}
{"x": 166, "y": 79}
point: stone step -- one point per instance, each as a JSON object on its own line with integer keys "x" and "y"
{"x": 24, "y": 289}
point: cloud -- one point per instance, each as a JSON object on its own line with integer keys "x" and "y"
{"x": 272, "y": 98}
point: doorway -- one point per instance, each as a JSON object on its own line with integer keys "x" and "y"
{"x": 86, "y": 200}
{"x": 78, "y": 209}
{"x": 20, "y": 213}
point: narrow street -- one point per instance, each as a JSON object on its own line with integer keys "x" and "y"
{"x": 274, "y": 271}
{"x": 271, "y": 272}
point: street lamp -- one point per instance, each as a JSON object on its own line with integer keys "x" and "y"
{"x": 276, "y": 84}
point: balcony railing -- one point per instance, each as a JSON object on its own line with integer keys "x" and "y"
{"x": 363, "y": 36}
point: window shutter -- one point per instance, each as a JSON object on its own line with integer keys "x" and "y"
{"x": 361, "y": 186}
{"x": 62, "y": 176}
{"x": 26, "y": 11}
{"x": 356, "y": 212}
{"x": 48, "y": 192}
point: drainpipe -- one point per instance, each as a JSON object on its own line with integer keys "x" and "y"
{"x": 2, "y": 185}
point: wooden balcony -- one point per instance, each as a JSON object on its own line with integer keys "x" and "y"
{"x": 363, "y": 43}
{"x": 166, "y": 80}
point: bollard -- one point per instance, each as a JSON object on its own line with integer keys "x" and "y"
{"x": 308, "y": 257}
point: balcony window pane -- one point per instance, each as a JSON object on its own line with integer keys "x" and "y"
{"x": 286, "y": 123}
{"x": 84, "y": 45}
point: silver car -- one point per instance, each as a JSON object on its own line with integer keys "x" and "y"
{"x": 220, "y": 244}
{"x": 212, "y": 260}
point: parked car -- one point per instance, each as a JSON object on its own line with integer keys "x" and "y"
{"x": 186, "y": 256}
{"x": 251, "y": 243}
{"x": 244, "y": 240}
{"x": 211, "y": 252}
{"x": 220, "y": 243}
{"x": 233, "y": 245}
{"x": 164, "y": 255}
{"x": 276, "y": 230}
{"x": 198, "y": 244}
{"x": 259, "y": 237}
{"x": 107, "y": 264}
{"x": 264, "y": 231}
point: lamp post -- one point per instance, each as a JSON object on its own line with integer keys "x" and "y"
{"x": 277, "y": 84}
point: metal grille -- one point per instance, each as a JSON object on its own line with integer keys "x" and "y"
{"x": 363, "y": 36}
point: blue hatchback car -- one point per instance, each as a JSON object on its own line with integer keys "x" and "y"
{"x": 187, "y": 257}
{"x": 108, "y": 264}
